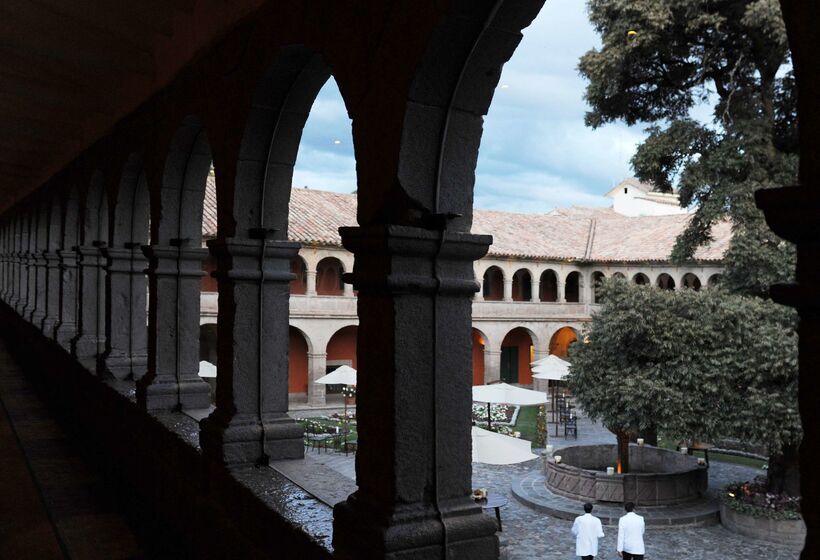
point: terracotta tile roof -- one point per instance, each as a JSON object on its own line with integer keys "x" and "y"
{"x": 209, "y": 208}
{"x": 596, "y": 234}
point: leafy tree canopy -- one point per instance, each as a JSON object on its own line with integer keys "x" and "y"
{"x": 660, "y": 59}
{"x": 696, "y": 365}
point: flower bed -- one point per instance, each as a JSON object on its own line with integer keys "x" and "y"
{"x": 503, "y": 417}
{"x": 747, "y": 509}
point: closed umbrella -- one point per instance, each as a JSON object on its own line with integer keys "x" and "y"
{"x": 552, "y": 368}
{"x": 496, "y": 449}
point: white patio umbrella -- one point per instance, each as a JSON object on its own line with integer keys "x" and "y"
{"x": 507, "y": 394}
{"x": 207, "y": 369}
{"x": 551, "y": 367}
{"x": 342, "y": 375}
{"x": 496, "y": 449}
{"x": 501, "y": 393}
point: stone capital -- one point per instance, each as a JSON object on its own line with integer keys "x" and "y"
{"x": 403, "y": 259}
{"x": 180, "y": 262}
{"x": 247, "y": 260}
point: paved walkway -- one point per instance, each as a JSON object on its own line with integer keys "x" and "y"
{"x": 54, "y": 502}
{"x": 532, "y": 535}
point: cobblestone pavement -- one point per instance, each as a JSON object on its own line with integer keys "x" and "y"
{"x": 532, "y": 535}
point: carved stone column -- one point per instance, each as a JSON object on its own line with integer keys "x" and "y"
{"x": 22, "y": 280}
{"x": 250, "y": 423}
{"x": 30, "y": 290}
{"x": 413, "y": 399}
{"x": 66, "y": 328}
{"x": 40, "y": 289}
{"x": 561, "y": 287}
{"x": 4, "y": 262}
{"x": 536, "y": 290}
{"x": 172, "y": 380}
{"x": 508, "y": 289}
{"x": 126, "y": 352}
{"x": 317, "y": 364}
{"x": 89, "y": 343}
{"x": 310, "y": 278}
{"x": 492, "y": 365}
{"x": 52, "y": 309}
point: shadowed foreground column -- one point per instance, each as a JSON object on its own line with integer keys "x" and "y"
{"x": 413, "y": 465}
{"x": 172, "y": 381}
{"x": 250, "y": 423}
{"x": 89, "y": 344}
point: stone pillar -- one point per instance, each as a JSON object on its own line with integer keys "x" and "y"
{"x": 40, "y": 289}
{"x": 250, "y": 423}
{"x": 536, "y": 290}
{"x": 52, "y": 310}
{"x": 508, "y": 289}
{"x": 172, "y": 380}
{"x": 492, "y": 365}
{"x": 66, "y": 328}
{"x": 311, "y": 282}
{"x": 413, "y": 400}
{"x": 89, "y": 343}
{"x": 126, "y": 352}
{"x": 317, "y": 365}
{"x": 348, "y": 290}
{"x": 30, "y": 283}
{"x": 14, "y": 271}
{"x": 561, "y": 287}
{"x": 3, "y": 261}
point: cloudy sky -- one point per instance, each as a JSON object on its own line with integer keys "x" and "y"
{"x": 535, "y": 153}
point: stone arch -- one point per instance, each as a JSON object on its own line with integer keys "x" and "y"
{"x": 329, "y": 273}
{"x": 573, "y": 284}
{"x": 597, "y": 279}
{"x": 298, "y": 267}
{"x": 492, "y": 284}
{"x": 281, "y": 104}
{"x": 641, "y": 279}
{"x": 89, "y": 344}
{"x": 517, "y": 352}
{"x": 548, "y": 287}
{"x": 126, "y": 353}
{"x": 175, "y": 264}
{"x": 480, "y": 344}
{"x": 451, "y": 92}
{"x": 66, "y": 327}
{"x": 620, "y": 275}
{"x": 690, "y": 281}
{"x": 522, "y": 285}
{"x": 665, "y": 282}
{"x": 341, "y": 346}
{"x": 299, "y": 347}
{"x": 561, "y": 341}
{"x": 714, "y": 280}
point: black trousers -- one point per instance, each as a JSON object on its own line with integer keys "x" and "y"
{"x": 630, "y": 556}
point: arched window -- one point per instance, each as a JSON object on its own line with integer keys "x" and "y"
{"x": 691, "y": 281}
{"x": 298, "y": 286}
{"x": 341, "y": 351}
{"x": 641, "y": 279}
{"x": 714, "y": 280}
{"x": 517, "y": 352}
{"x": 548, "y": 289}
{"x": 666, "y": 282}
{"x": 572, "y": 287}
{"x": 329, "y": 277}
{"x": 522, "y": 285}
{"x": 619, "y": 275}
{"x": 597, "y": 280}
{"x": 561, "y": 340}
{"x": 493, "y": 286}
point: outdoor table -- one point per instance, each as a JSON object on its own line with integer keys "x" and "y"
{"x": 496, "y": 502}
{"x": 698, "y": 446}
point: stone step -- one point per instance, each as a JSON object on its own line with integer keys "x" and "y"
{"x": 531, "y": 491}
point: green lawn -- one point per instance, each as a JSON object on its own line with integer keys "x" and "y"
{"x": 525, "y": 423}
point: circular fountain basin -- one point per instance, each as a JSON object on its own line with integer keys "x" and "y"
{"x": 657, "y": 476}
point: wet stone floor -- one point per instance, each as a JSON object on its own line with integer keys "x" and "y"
{"x": 532, "y": 535}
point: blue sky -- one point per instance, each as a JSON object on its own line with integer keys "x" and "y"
{"x": 536, "y": 154}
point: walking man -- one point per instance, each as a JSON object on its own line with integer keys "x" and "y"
{"x": 587, "y": 530}
{"x": 630, "y": 534}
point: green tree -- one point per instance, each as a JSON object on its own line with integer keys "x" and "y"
{"x": 658, "y": 60}
{"x": 694, "y": 365}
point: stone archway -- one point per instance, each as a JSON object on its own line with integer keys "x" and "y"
{"x": 298, "y": 350}
{"x": 480, "y": 344}
{"x": 561, "y": 341}
{"x": 517, "y": 352}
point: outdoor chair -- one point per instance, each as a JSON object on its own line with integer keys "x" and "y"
{"x": 571, "y": 427}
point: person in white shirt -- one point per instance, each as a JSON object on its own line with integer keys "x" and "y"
{"x": 587, "y": 530}
{"x": 630, "y": 534}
